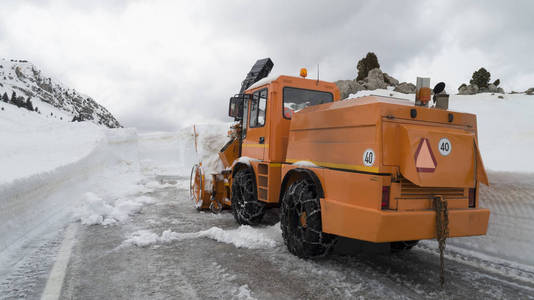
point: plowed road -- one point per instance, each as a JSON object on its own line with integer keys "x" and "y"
{"x": 98, "y": 267}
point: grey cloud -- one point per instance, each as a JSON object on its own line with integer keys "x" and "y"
{"x": 165, "y": 64}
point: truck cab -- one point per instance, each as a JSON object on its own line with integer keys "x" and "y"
{"x": 267, "y": 111}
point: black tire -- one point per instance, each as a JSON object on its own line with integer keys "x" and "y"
{"x": 246, "y": 208}
{"x": 402, "y": 246}
{"x": 299, "y": 205}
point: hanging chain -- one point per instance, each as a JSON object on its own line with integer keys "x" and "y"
{"x": 442, "y": 232}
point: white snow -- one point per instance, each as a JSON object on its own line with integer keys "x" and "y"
{"x": 244, "y": 293}
{"x": 263, "y": 81}
{"x": 33, "y": 144}
{"x": 305, "y": 163}
{"x": 46, "y": 168}
{"x": 174, "y": 152}
{"x": 27, "y": 81}
{"x": 244, "y": 160}
{"x": 95, "y": 210}
{"x": 505, "y": 126}
{"x": 242, "y": 237}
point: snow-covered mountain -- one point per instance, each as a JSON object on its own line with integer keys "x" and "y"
{"x": 50, "y": 96}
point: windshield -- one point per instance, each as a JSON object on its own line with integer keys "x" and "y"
{"x": 296, "y": 99}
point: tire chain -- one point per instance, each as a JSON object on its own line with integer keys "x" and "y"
{"x": 442, "y": 232}
{"x": 243, "y": 181}
{"x": 299, "y": 196}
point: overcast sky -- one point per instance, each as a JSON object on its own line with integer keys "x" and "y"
{"x": 160, "y": 65}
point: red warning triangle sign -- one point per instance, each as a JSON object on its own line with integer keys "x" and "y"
{"x": 424, "y": 158}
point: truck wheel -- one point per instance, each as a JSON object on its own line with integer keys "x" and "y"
{"x": 246, "y": 208}
{"x": 402, "y": 246}
{"x": 196, "y": 186}
{"x": 301, "y": 221}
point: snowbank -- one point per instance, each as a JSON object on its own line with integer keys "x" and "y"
{"x": 33, "y": 144}
{"x": 505, "y": 126}
{"x": 174, "y": 152}
{"x": 46, "y": 167}
{"x": 242, "y": 237}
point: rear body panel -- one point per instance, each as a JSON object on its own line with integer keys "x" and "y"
{"x": 407, "y": 159}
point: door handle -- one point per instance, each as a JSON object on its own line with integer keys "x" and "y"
{"x": 262, "y": 140}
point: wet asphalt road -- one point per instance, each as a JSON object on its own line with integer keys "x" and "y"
{"x": 201, "y": 268}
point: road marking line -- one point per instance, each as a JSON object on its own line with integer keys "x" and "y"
{"x": 57, "y": 275}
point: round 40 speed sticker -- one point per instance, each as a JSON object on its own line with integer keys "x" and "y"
{"x": 445, "y": 146}
{"x": 369, "y": 158}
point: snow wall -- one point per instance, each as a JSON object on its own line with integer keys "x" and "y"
{"x": 30, "y": 205}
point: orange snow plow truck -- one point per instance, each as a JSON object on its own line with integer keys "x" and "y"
{"x": 374, "y": 168}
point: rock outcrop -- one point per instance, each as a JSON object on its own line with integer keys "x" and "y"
{"x": 347, "y": 87}
{"x": 405, "y": 88}
{"x": 468, "y": 89}
{"x": 376, "y": 79}
{"x": 474, "y": 89}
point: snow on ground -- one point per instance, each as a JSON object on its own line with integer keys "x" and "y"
{"x": 34, "y": 144}
{"x": 242, "y": 237}
{"x": 95, "y": 210}
{"x": 505, "y": 126}
{"x": 46, "y": 168}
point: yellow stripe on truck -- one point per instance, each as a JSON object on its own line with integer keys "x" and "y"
{"x": 338, "y": 166}
{"x": 256, "y": 145}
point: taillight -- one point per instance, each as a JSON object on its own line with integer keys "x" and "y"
{"x": 385, "y": 197}
{"x": 472, "y": 194}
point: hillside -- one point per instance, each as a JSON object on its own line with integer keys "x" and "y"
{"x": 50, "y": 96}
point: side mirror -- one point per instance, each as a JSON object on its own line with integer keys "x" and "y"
{"x": 235, "y": 107}
{"x": 233, "y": 110}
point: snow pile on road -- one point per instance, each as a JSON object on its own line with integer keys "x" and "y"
{"x": 242, "y": 237}
{"x": 95, "y": 210}
{"x": 243, "y": 293}
{"x": 505, "y": 126}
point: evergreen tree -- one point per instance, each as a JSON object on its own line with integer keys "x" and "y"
{"x": 366, "y": 64}
{"x": 20, "y": 102}
{"x": 497, "y": 82}
{"x": 481, "y": 78}
{"x": 5, "y": 98}
{"x": 29, "y": 104}
{"x": 13, "y": 99}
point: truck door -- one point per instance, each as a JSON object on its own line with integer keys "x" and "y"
{"x": 255, "y": 140}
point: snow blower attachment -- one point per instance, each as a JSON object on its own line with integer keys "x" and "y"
{"x": 214, "y": 192}
{"x": 373, "y": 168}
